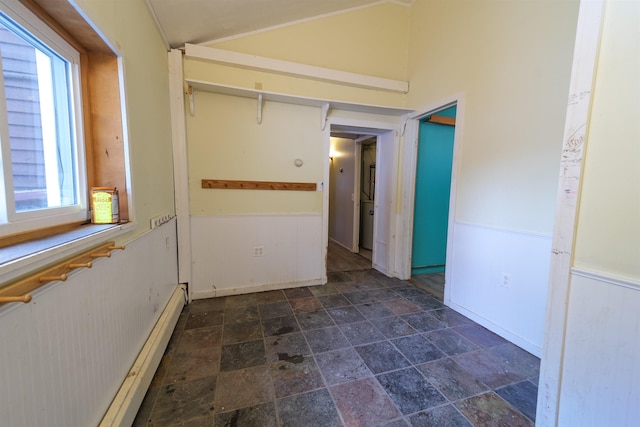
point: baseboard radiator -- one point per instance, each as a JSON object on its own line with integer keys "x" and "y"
{"x": 125, "y": 405}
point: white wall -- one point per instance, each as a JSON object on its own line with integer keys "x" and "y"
{"x": 66, "y": 353}
{"x": 599, "y": 371}
{"x": 510, "y": 62}
{"x": 342, "y": 175}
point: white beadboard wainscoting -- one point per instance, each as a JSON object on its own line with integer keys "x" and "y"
{"x": 602, "y": 348}
{"x": 235, "y": 254}
{"x": 481, "y": 257}
{"x": 66, "y": 354}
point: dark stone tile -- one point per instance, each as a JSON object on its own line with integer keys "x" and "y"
{"x": 426, "y": 302}
{"x": 196, "y": 339}
{"x": 374, "y": 310}
{"x": 341, "y": 366}
{"x": 417, "y": 349}
{"x": 193, "y": 365}
{"x": 305, "y": 305}
{"x": 480, "y": 335}
{"x": 523, "y": 396}
{"x": 382, "y": 357}
{"x": 242, "y": 355}
{"x": 486, "y": 368}
{"x": 143, "y": 417}
{"x": 184, "y": 401}
{"x": 309, "y": 409}
{"x": 279, "y": 326}
{"x": 383, "y": 294}
{"x": 359, "y": 297}
{"x": 333, "y": 300}
{"x": 489, "y": 410}
{"x": 241, "y": 314}
{"x": 314, "y": 320}
{"x": 366, "y": 279}
{"x": 451, "y": 379}
{"x": 274, "y": 309}
{"x": 363, "y": 403}
{"x": 451, "y": 342}
{"x": 519, "y": 360}
{"x": 298, "y": 293}
{"x": 295, "y": 374}
{"x": 270, "y": 296}
{"x": 394, "y": 327}
{"x": 450, "y": 317}
{"x": 286, "y": 346}
{"x": 234, "y": 301}
{"x": 392, "y": 282}
{"x": 395, "y": 423}
{"x": 254, "y": 416}
{"x": 423, "y": 322}
{"x": 443, "y": 416}
{"x": 243, "y": 331}
{"x": 409, "y": 292}
{"x": 401, "y": 306}
{"x": 337, "y": 277}
{"x": 163, "y": 367}
{"x": 243, "y": 388}
{"x": 326, "y": 339}
{"x": 410, "y": 391}
{"x": 328, "y": 289}
{"x": 207, "y": 420}
{"x": 200, "y": 319}
{"x": 348, "y": 314}
{"x": 361, "y": 333}
{"x": 209, "y": 304}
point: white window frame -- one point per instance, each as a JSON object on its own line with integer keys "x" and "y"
{"x": 12, "y": 222}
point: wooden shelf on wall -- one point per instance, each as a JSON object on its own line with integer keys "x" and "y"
{"x": 258, "y": 185}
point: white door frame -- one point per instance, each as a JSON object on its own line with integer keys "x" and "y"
{"x": 383, "y": 127}
{"x": 409, "y": 165}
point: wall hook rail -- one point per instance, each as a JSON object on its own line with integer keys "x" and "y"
{"x": 19, "y": 291}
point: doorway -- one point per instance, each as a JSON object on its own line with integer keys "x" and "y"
{"x": 432, "y": 197}
{"x": 361, "y": 181}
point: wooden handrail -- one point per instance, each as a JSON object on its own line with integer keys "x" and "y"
{"x": 19, "y": 291}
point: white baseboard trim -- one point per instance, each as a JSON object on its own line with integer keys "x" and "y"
{"x": 256, "y": 288}
{"x": 127, "y": 401}
{"x": 497, "y": 329}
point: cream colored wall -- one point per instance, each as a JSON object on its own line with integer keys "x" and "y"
{"x": 512, "y": 62}
{"x": 608, "y": 234}
{"x": 132, "y": 31}
{"x": 370, "y": 40}
{"x": 226, "y": 142}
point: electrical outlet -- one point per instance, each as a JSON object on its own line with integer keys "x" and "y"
{"x": 160, "y": 219}
{"x": 506, "y": 280}
{"x": 258, "y": 251}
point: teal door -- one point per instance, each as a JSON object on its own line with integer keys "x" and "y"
{"x": 433, "y": 185}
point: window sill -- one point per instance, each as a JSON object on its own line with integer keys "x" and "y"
{"x": 23, "y": 258}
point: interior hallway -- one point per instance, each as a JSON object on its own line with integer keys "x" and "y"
{"x": 363, "y": 350}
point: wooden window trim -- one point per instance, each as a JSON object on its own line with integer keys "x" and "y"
{"x": 101, "y": 103}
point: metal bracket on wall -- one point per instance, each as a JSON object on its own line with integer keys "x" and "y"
{"x": 325, "y": 113}
{"x": 192, "y": 104}
{"x": 260, "y": 105}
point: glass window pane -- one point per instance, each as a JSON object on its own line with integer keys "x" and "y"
{"x": 39, "y": 120}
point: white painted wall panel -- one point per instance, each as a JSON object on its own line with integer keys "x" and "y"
{"x": 602, "y": 345}
{"x": 481, "y": 256}
{"x": 223, "y": 253}
{"x": 65, "y": 354}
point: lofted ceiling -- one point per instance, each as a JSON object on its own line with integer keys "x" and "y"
{"x": 198, "y": 21}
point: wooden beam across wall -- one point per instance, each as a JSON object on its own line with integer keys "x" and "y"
{"x": 258, "y": 185}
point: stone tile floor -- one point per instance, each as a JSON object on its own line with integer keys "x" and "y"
{"x": 363, "y": 350}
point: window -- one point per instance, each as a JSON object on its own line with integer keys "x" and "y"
{"x": 43, "y": 179}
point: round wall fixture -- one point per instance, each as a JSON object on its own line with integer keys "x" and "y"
{"x": 298, "y": 162}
